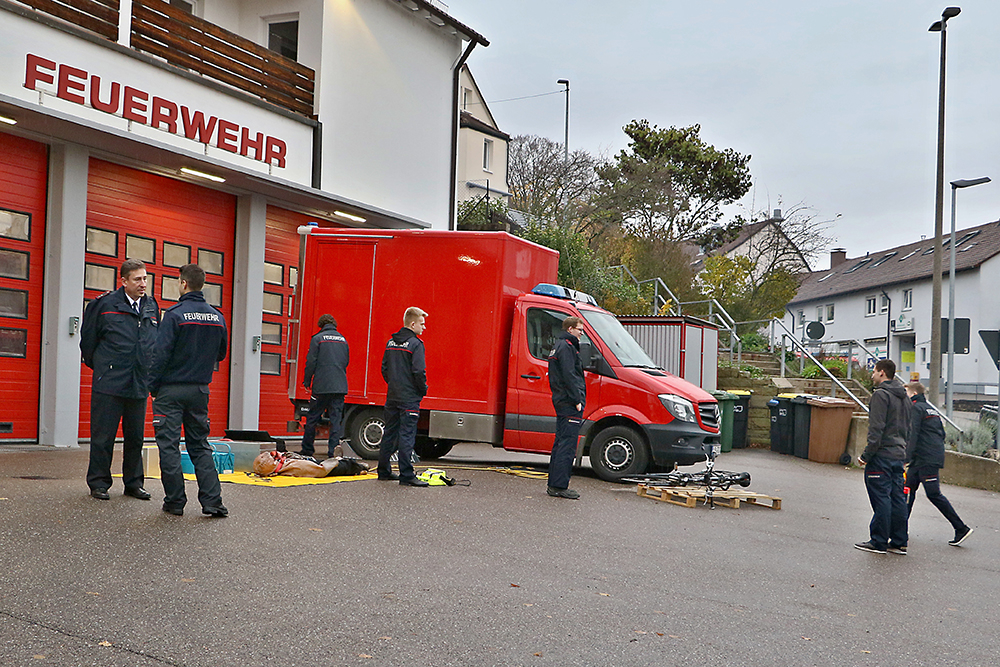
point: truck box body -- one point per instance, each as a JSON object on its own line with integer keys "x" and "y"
{"x": 468, "y": 284}
{"x": 493, "y": 317}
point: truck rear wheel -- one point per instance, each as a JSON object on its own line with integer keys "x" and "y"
{"x": 432, "y": 448}
{"x": 618, "y": 451}
{"x": 366, "y": 432}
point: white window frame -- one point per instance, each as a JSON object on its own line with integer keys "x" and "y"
{"x": 870, "y": 306}
{"x": 280, "y": 18}
{"x": 908, "y": 299}
{"x": 830, "y": 312}
{"x": 802, "y": 318}
{"x": 488, "y": 155}
{"x": 819, "y": 313}
{"x": 883, "y": 307}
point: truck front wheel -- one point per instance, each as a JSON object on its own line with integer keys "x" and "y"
{"x": 366, "y": 432}
{"x": 618, "y": 451}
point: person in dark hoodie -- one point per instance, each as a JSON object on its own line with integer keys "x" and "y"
{"x": 404, "y": 370}
{"x": 888, "y": 425}
{"x": 326, "y": 375}
{"x": 569, "y": 395}
{"x": 925, "y": 455}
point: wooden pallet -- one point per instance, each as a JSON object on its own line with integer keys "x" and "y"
{"x": 689, "y": 497}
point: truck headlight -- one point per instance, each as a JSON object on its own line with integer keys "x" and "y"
{"x": 679, "y": 407}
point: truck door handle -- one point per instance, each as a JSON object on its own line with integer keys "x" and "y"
{"x": 529, "y": 376}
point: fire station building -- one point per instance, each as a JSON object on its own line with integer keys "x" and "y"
{"x": 204, "y": 131}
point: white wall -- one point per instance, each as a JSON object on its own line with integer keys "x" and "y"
{"x": 386, "y": 108}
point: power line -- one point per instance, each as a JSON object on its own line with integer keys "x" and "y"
{"x": 526, "y": 97}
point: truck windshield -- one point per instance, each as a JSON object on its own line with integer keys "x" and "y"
{"x": 621, "y": 344}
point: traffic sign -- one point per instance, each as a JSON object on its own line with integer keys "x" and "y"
{"x": 991, "y": 339}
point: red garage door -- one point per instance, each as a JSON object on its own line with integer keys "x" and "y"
{"x": 166, "y": 224}
{"x": 23, "y": 177}
{"x": 281, "y": 257}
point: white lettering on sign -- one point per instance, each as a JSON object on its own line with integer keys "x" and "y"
{"x": 80, "y": 87}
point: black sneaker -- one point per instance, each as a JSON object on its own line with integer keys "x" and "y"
{"x": 562, "y": 493}
{"x": 176, "y": 511}
{"x": 897, "y": 550}
{"x": 217, "y": 512}
{"x": 869, "y": 547}
{"x": 960, "y": 536}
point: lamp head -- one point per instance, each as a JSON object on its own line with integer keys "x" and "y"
{"x": 951, "y": 12}
{"x": 564, "y": 82}
{"x": 969, "y": 182}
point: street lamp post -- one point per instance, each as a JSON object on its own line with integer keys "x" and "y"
{"x": 935, "y": 371}
{"x": 565, "y": 82}
{"x": 949, "y": 391}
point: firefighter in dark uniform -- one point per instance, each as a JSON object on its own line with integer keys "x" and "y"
{"x": 326, "y": 375}
{"x": 569, "y": 395}
{"x": 119, "y": 329}
{"x": 404, "y": 370}
{"x": 925, "y": 454}
{"x": 191, "y": 340}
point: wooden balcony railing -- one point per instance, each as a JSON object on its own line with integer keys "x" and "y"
{"x": 100, "y": 16}
{"x": 188, "y": 41}
{"x": 196, "y": 45}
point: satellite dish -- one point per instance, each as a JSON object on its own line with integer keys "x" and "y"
{"x": 815, "y": 330}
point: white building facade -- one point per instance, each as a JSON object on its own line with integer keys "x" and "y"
{"x": 883, "y": 300}
{"x": 204, "y": 131}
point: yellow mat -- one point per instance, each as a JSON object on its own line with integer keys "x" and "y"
{"x": 284, "y": 480}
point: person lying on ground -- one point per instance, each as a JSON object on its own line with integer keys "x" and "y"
{"x": 269, "y": 464}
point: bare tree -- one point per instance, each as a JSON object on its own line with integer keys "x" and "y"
{"x": 543, "y": 184}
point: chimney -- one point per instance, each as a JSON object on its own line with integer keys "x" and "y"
{"x": 777, "y": 214}
{"x": 837, "y": 257}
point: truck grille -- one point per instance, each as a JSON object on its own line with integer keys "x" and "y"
{"x": 708, "y": 413}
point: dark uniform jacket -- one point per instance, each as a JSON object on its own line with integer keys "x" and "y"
{"x": 192, "y": 339}
{"x": 925, "y": 444}
{"x": 117, "y": 343}
{"x": 404, "y": 368}
{"x": 888, "y": 422}
{"x": 326, "y": 363}
{"x": 566, "y": 379}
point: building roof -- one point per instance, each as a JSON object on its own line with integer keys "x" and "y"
{"x": 470, "y": 121}
{"x": 901, "y": 264}
{"x": 747, "y": 232}
{"x": 441, "y": 17}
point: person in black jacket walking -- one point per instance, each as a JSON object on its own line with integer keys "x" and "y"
{"x": 404, "y": 370}
{"x": 326, "y": 375}
{"x": 569, "y": 395}
{"x": 116, "y": 340}
{"x": 888, "y": 424}
{"x": 925, "y": 456}
{"x": 192, "y": 339}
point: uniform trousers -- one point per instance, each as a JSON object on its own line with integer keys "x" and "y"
{"x": 884, "y": 482}
{"x": 106, "y": 412}
{"x": 318, "y": 404}
{"x": 176, "y": 405}
{"x": 399, "y": 436}
{"x": 564, "y": 449}
{"x": 932, "y": 487}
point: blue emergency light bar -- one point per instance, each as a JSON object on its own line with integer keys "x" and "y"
{"x": 560, "y": 292}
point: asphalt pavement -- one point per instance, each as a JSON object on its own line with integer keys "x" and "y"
{"x": 496, "y": 573}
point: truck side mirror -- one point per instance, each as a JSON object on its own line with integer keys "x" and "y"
{"x": 587, "y": 355}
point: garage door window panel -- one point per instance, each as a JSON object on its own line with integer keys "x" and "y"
{"x": 270, "y": 333}
{"x": 14, "y": 303}
{"x": 102, "y": 242}
{"x": 213, "y": 294}
{"x": 99, "y": 277}
{"x": 14, "y": 264}
{"x": 176, "y": 255}
{"x": 15, "y": 225}
{"x": 270, "y": 363}
{"x": 274, "y": 274}
{"x": 211, "y": 261}
{"x": 139, "y": 247}
{"x": 14, "y": 343}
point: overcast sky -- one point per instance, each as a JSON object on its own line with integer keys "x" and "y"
{"x": 835, "y": 100}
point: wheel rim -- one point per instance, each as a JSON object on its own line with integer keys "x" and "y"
{"x": 371, "y": 433}
{"x": 618, "y": 454}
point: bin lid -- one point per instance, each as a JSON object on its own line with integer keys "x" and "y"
{"x": 720, "y": 395}
{"x": 803, "y": 398}
{"x": 739, "y": 392}
{"x": 830, "y": 402}
{"x": 787, "y": 395}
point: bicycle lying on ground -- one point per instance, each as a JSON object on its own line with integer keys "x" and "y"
{"x": 709, "y": 478}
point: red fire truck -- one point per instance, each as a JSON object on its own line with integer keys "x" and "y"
{"x": 493, "y": 315}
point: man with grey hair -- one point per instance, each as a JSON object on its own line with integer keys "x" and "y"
{"x": 119, "y": 329}
{"x": 405, "y": 372}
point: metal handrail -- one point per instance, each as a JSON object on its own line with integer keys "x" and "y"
{"x": 806, "y": 352}
{"x": 657, "y": 283}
